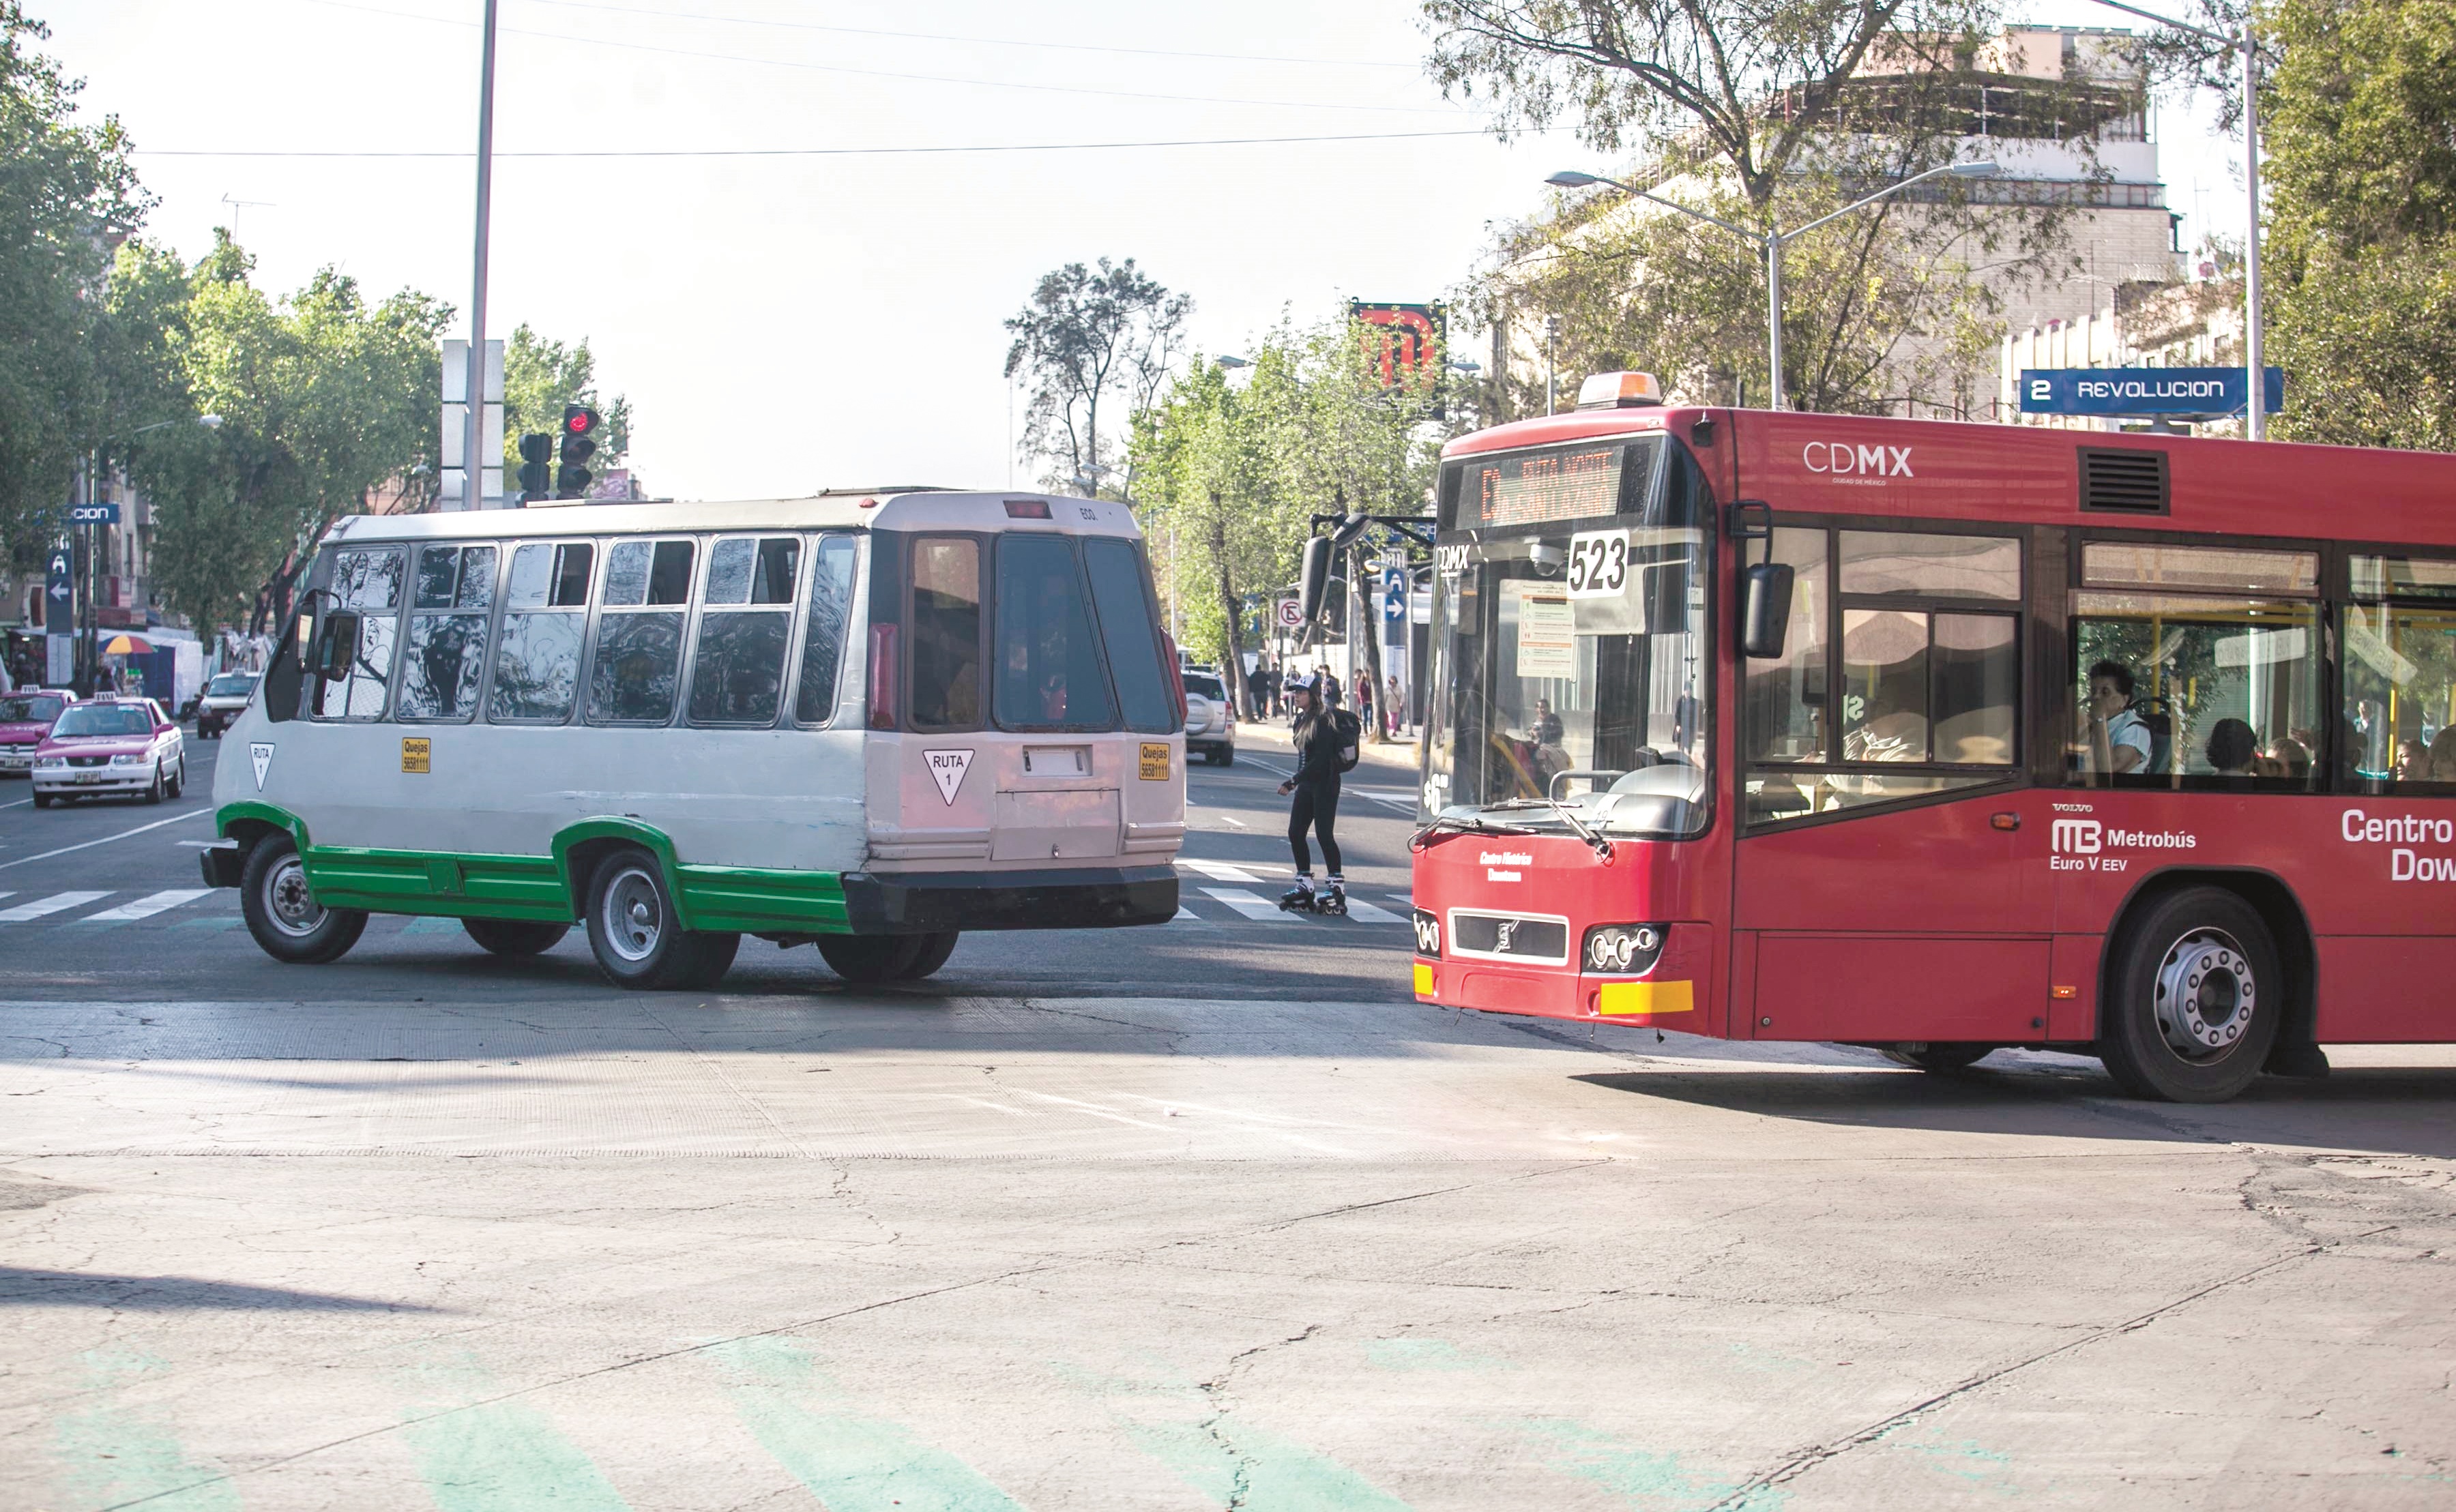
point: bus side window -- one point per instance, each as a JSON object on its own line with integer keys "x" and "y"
{"x": 946, "y": 633}
{"x": 536, "y": 661}
{"x": 636, "y": 668}
{"x": 745, "y": 624}
{"x": 1049, "y": 673}
{"x": 446, "y": 651}
{"x": 823, "y": 638}
{"x": 2400, "y": 676}
{"x": 1130, "y": 629}
{"x": 366, "y": 579}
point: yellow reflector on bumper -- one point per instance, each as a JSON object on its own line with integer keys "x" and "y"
{"x": 1424, "y": 980}
{"x": 1643, "y": 997}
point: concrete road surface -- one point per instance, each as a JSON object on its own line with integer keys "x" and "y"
{"x": 1197, "y": 1216}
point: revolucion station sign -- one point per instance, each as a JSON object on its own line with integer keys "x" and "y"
{"x": 2128, "y": 391}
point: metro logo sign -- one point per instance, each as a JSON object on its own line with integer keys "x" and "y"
{"x": 2076, "y": 837}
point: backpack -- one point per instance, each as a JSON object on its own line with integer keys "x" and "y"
{"x": 1351, "y": 730}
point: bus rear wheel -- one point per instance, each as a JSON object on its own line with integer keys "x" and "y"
{"x": 637, "y": 936}
{"x": 2193, "y": 1000}
{"x": 284, "y": 916}
{"x": 516, "y": 936}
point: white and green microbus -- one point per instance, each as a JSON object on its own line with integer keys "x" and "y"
{"x": 863, "y": 721}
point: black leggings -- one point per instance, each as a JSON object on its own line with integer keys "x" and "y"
{"x": 1315, "y": 809}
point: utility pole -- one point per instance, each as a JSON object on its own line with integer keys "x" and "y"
{"x": 2255, "y": 408}
{"x": 1551, "y": 367}
{"x": 473, "y": 471}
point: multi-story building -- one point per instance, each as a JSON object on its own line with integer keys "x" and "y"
{"x": 2145, "y": 325}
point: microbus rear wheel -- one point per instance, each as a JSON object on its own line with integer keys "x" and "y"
{"x": 516, "y": 936}
{"x": 283, "y": 915}
{"x": 932, "y": 955}
{"x": 2194, "y": 998}
{"x": 873, "y": 958}
{"x": 638, "y": 938}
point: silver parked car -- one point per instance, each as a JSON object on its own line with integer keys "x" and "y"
{"x": 1210, "y": 719}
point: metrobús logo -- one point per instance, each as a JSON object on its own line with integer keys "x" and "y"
{"x": 2079, "y": 845}
{"x": 1848, "y": 464}
{"x": 2400, "y": 833}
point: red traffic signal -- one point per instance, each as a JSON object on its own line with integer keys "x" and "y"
{"x": 578, "y": 420}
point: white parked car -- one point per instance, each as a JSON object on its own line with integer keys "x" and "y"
{"x": 225, "y": 699}
{"x": 123, "y": 745}
{"x": 1210, "y": 719}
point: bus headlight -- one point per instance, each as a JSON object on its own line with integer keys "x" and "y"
{"x": 1623, "y": 949}
{"x": 1428, "y": 932}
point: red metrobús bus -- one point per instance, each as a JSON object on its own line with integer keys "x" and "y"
{"x": 2135, "y": 745}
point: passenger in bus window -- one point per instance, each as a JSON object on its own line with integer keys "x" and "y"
{"x": 2233, "y": 749}
{"x": 2443, "y": 755}
{"x": 2118, "y": 738}
{"x": 2292, "y": 758}
{"x": 2412, "y": 760}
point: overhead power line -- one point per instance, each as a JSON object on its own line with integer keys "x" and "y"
{"x": 811, "y": 151}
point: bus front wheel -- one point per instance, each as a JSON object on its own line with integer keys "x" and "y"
{"x": 284, "y": 916}
{"x": 638, "y": 938}
{"x": 2193, "y": 1000}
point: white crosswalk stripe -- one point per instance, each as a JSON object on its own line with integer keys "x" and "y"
{"x": 1358, "y": 909}
{"x": 147, "y": 907}
{"x": 1251, "y": 904}
{"x": 1218, "y": 871}
{"x": 54, "y": 904}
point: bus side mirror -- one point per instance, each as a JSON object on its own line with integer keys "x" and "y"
{"x": 1764, "y": 609}
{"x": 1315, "y": 584}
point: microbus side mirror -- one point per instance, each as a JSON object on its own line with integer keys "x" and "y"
{"x": 1765, "y": 608}
{"x": 1314, "y": 586}
{"x": 336, "y": 646}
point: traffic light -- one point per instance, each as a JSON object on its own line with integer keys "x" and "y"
{"x": 580, "y": 425}
{"x": 537, "y": 466}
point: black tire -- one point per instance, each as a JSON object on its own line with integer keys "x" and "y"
{"x": 516, "y": 937}
{"x": 285, "y": 918}
{"x": 153, "y": 792}
{"x": 1228, "y": 757}
{"x": 179, "y": 778}
{"x": 871, "y": 958}
{"x": 1941, "y": 1057}
{"x": 42, "y": 800}
{"x": 2194, "y": 998}
{"x": 637, "y": 936}
{"x": 932, "y": 955}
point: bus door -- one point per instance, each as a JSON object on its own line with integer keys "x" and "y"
{"x": 1890, "y": 877}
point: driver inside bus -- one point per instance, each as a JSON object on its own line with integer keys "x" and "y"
{"x": 2118, "y": 738}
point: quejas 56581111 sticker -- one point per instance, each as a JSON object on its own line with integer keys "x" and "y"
{"x": 260, "y": 753}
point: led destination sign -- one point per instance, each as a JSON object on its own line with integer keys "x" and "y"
{"x": 1533, "y": 488}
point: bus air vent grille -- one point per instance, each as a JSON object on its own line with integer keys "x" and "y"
{"x": 2125, "y": 481}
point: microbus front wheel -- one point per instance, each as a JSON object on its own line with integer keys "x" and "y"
{"x": 283, "y": 915}
{"x": 637, "y": 936}
{"x": 2194, "y": 998}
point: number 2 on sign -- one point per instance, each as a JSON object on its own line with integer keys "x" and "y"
{"x": 1598, "y": 564}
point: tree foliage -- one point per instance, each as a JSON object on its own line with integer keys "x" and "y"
{"x": 1084, "y": 337}
{"x": 67, "y": 195}
{"x": 2360, "y": 125}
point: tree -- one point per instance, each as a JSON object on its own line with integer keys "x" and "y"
{"x": 2361, "y": 123}
{"x": 541, "y": 376}
{"x": 1769, "y": 113}
{"x": 67, "y": 195}
{"x": 1083, "y": 337}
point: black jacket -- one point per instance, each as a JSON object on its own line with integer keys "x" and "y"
{"x": 1318, "y": 745}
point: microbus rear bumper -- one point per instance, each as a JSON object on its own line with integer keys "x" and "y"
{"x": 1068, "y": 898}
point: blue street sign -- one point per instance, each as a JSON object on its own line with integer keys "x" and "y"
{"x": 1394, "y": 595}
{"x": 2133, "y": 391}
{"x": 94, "y": 514}
{"x": 57, "y": 577}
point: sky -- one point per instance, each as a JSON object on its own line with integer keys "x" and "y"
{"x": 829, "y": 313}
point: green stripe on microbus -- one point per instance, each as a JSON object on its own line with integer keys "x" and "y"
{"x": 755, "y": 898}
{"x": 438, "y": 882}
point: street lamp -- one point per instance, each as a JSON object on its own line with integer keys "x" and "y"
{"x": 2254, "y": 419}
{"x": 1771, "y": 241}
{"x": 1231, "y": 363}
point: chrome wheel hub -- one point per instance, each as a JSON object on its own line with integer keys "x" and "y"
{"x": 632, "y": 916}
{"x": 2206, "y": 994}
{"x": 292, "y": 907}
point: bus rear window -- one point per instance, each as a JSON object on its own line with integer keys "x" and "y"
{"x": 1129, "y": 630}
{"x": 946, "y": 633}
{"x": 1049, "y": 672}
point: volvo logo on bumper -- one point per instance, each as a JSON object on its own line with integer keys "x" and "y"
{"x": 1536, "y": 940}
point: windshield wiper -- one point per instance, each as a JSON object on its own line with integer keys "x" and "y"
{"x": 1602, "y": 848}
{"x": 1468, "y": 824}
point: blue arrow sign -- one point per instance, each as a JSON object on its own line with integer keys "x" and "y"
{"x": 94, "y": 514}
{"x": 57, "y": 575}
{"x": 2130, "y": 391}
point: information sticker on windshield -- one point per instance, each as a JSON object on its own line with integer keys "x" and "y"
{"x": 1598, "y": 565}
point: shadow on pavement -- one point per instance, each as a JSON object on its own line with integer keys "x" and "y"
{"x": 2379, "y": 1109}
{"x": 20, "y": 1287}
